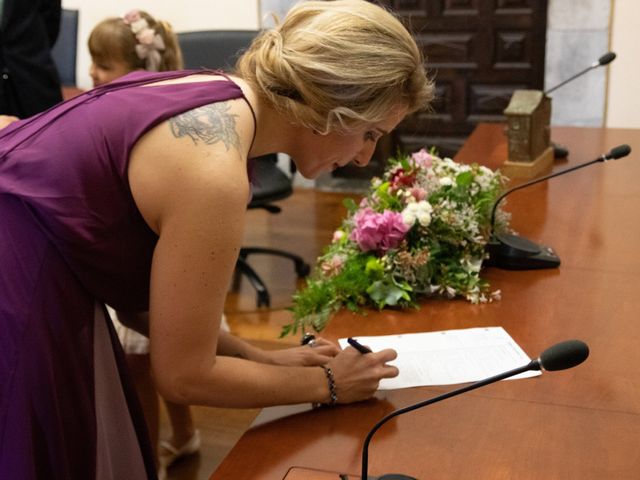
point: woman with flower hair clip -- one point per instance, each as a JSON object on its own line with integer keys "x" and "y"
{"x": 120, "y": 45}
{"x": 133, "y": 194}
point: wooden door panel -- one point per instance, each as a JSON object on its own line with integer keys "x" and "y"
{"x": 479, "y": 52}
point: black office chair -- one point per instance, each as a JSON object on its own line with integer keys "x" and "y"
{"x": 64, "y": 51}
{"x": 220, "y": 49}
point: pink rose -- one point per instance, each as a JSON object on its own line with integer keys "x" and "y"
{"x": 422, "y": 158}
{"x": 418, "y": 193}
{"x": 378, "y": 231}
{"x": 333, "y": 266}
{"x": 131, "y": 16}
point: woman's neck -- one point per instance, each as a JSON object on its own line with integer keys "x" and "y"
{"x": 275, "y": 133}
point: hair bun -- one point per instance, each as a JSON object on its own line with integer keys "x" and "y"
{"x": 335, "y": 66}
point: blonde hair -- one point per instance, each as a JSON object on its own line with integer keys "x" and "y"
{"x": 335, "y": 66}
{"x": 113, "y": 40}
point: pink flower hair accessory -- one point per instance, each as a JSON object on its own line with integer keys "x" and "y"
{"x": 149, "y": 44}
{"x": 131, "y": 16}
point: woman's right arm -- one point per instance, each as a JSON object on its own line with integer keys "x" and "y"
{"x": 193, "y": 193}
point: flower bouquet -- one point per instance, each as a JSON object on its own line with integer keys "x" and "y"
{"x": 419, "y": 232}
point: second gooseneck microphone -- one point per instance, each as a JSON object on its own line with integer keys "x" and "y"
{"x": 603, "y": 60}
{"x": 513, "y": 252}
{"x": 561, "y": 151}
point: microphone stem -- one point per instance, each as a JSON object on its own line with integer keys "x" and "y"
{"x": 533, "y": 365}
{"x": 546, "y": 92}
{"x": 537, "y": 180}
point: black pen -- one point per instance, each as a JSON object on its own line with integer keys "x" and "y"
{"x": 358, "y": 346}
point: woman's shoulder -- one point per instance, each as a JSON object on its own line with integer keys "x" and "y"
{"x": 191, "y": 159}
{"x": 180, "y": 77}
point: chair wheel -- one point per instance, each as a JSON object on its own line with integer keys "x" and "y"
{"x": 302, "y": 269}
{"x": 263, "y": 299}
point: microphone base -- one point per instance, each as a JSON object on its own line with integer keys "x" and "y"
{"x": 512, "y": 252}
{"x": 559, "y": 151}
{"x": 393, "y": 476}
{"x": 301, "y": 473}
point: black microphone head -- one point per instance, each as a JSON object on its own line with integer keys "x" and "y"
{"x": 619, "y": 152}
{"x": 564, "y": 355}
{"x": 607, "y": 58}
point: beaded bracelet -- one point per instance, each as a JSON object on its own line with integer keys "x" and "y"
{"x": 333, "y": 397}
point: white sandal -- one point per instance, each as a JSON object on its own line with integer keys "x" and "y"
{"x": 169, "y": 453}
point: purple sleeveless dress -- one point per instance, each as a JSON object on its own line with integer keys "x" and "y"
{"x": 71, "y": 240}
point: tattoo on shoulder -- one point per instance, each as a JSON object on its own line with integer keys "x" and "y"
{"x": 210, "y": 124}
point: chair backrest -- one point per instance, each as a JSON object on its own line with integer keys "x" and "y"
{"x": 219, "y": 49}
{"x": 64, "y": 51}
{"x": 214, "y": 48}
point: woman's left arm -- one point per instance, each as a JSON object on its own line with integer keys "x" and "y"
{"x": 321, "y": 352}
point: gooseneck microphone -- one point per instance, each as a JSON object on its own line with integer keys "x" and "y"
{"x": 603, "y": 60}
{"x": 561, "y": 356}
{"x": 560, "y": 151}
{"x": 512, "y": 252}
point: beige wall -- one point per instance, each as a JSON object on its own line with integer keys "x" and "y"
{"x": 184, "y": 15}
{"x": 623, "y": 95}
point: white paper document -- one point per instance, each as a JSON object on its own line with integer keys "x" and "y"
{"x": 449, "y": 357}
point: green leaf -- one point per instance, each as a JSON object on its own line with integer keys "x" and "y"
{"x": 350, "y": 204}
{"x": 374, "y": 268}
{"x": 386, "y": 293}
{"x": 464, "y": 179}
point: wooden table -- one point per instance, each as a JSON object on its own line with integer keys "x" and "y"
{"x": 582, "y": 423}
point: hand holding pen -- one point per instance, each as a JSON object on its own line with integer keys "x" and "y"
{"x": 308, "y": 339}
{"x": 358, "y": 346}
{"x": 357, "y": 371}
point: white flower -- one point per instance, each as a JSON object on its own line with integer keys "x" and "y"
{"x": 408, "y": 216}
{"x": 450, "y": 163}
{"x": 484, "y": 178}
{"x": 424, "y": 219}
{"x": 446, "y": 181}
{"x": 472, "y": 265}
{"x": 420, "y": 211}
{"x": 139, "y": 25}
{"x": 484, "y": 181}
{"x": 146, "y": 36}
